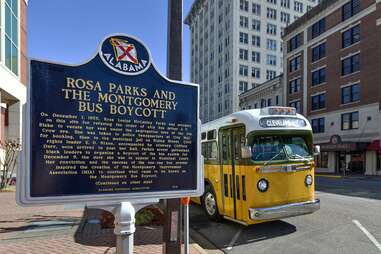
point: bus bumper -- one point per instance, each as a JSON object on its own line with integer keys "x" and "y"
{"x": 284, "y": 211}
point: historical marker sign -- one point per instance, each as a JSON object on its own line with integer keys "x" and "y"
{"x": 111, "y": 129}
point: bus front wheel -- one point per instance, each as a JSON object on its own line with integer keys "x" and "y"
{"x": 209, "y": 202}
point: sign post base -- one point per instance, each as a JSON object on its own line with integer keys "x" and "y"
{"x": 125, "y": 224}
{"x": 124, "y": 228}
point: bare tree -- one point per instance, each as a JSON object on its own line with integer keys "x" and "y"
{"x": 8, "y": 157}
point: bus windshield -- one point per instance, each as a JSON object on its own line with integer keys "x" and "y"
{"x": 269, "y": 148}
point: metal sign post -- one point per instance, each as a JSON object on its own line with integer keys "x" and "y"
{"x": 173, "y": 225}
{"x": 124, "y": 228}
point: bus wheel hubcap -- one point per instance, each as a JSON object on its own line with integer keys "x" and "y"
{"x": 210, "y": 204}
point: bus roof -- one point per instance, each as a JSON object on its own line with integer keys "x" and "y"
{"x": 270, "y": 118}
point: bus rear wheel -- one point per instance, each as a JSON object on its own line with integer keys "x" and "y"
{"x": 209, "y": 202}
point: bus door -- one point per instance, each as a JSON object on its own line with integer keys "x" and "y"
{"x": 238, "y": 139}
{"x": 230, "y": 147}
{"x": 227, "y": 172}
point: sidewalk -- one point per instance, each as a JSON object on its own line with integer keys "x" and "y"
{"x": 349, "y": 176}
{"x": 63, "y": 230}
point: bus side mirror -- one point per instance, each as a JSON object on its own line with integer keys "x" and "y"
{"x": 316, "y": 150}
{"x": 245, "y": 152}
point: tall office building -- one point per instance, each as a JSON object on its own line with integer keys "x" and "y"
{"x": 235, "y": 45}
{"x": 13, "y": 67}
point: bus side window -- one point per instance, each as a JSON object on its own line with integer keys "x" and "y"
{"x": 237, "y": 149}
{"x": 226, "y": 188}
{"x": 244, "y": 187}
{"x": 224, "y": 148}
{"x": 213, "y": 151}
{"x": 203, "y": 150}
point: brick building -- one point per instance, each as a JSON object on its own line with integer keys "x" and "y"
{"x": 333, "y": 76}
{"x": 13, "y": 67}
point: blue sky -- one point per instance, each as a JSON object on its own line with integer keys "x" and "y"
{"x": 69, "y": 31}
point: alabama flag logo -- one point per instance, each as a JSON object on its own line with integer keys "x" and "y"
{"x": 124, "y": 51}
{"x": 125, "y": 54}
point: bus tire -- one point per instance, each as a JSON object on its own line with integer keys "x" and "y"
{"x": 209, "y": 203}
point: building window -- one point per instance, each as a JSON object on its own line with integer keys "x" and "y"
{"x": 244, "y": 5}
{"x": 271, "y": 44}
{"x": 256, "y": 40}
{"x": 243, "y": 70}
{"x": 285, "y": 3}
{"x": 298, "y": 6}
{"x": 296, "y": 105}
{"x": 350, "y": 121}
{"x": 350, "y": 9}
{"x": 318, "y": 77}
{"x": 255, "y": 57}
{"x": 318, "y": 125}
{"x": 285, "y": 17}
{"x": 243, "y": 38}
{"x": 256, "y": 9}
{"x": 255, "y": 72}
{"x": 11, "y": 35}
{"x": 294, "y": 86}
{"x": 322, "y": 160}
{"x": 271, "y": 13}
{"x": 350, "y": 94}
{"x": 243, "y": 54}
{"x": 318, "y": 52}
{"x": 271, "y": 60}
{"x": 318, "y": 101}
{"x": 350, "y": 65}
{"x": 271, "y": 29}
{"x": 269, "y": 102}
{"x": 263, "y": 103}
{"x": 277, "y": 100}
{"x": 244, "y": 21}
{"x": 318, "y": 28}
{"x": 351, "y": 36}
{"x": 270, "y": 74}
{"x": 256, "y": 25}
{"x": 243, "y": 85}
{"x": 295, "y": 63}
{"x": 295, "y": 42}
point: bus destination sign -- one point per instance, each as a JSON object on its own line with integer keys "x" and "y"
{"x": 110, "y": 129}
{"x": 283, "y": 122}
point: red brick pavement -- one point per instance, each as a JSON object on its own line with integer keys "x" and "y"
{"x": 30, "y": 231}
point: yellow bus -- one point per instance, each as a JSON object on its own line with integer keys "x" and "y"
{"x": 258, "y": 166}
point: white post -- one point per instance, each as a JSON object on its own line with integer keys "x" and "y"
{"x": 186, "y": 229}
{"x": 124, "y": 228}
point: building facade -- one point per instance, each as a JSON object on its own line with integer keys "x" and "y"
{"x": 333, "y": 76}
{"x": 236, "y": 45}
{"x": 13, "y": 67}
{"x": 266, "y": 94}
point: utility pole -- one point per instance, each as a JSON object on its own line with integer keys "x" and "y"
{"x": 173, "y": 214}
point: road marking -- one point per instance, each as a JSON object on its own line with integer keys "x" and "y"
{"x": 369, "y": 235}
{"x": 234, "y": 239}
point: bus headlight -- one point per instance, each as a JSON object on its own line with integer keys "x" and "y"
{"x": 308, "y": 180}
{"x": 263, "y": 185}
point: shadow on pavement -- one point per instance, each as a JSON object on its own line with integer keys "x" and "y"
{"x": 265, "y": 231}
{"x": 92, "y": 234}
{"x": 364, "y": 187}
{"x": 39, "y": 222}
{"x": 227, "y": 234}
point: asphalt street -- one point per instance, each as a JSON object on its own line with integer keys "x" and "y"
{"x": 349, "y": 222}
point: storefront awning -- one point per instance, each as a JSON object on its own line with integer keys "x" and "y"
{"x": 344, "y": 147}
